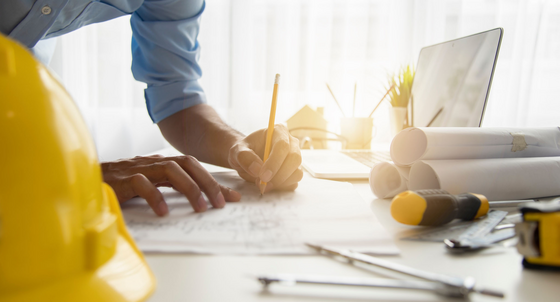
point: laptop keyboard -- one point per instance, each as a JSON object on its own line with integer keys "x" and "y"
{"x": 368, "y": 157}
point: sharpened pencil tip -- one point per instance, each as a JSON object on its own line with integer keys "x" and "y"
{"x": 262, "y": 186}
{"x": 277, "y": 79}
{"x": 313, "y": 246}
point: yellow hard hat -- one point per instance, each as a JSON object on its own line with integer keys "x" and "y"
{"x": 62, "y": 235}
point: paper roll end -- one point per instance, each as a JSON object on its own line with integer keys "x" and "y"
{"x": 385, "y": 180}
{"x": 409, "y": 146}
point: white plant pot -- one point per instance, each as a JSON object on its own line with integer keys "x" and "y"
{"x": 397, "y": 116}
{"x": 357, "y": 130}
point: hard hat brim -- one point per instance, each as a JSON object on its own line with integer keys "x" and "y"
{"x": 124, "y": 277}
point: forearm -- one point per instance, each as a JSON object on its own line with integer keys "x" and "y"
{"x": 199, "y": 131}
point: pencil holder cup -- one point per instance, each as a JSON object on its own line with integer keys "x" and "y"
{"x": 357, "y": 131}
{"x": 397, "y": 116}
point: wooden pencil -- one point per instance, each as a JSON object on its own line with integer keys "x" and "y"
{"x": 270, "y": 131}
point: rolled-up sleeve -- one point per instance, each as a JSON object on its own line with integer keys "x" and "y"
{"x": 165, "y": 55}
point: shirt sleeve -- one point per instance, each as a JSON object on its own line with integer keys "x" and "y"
{"x": 165, "y": 54}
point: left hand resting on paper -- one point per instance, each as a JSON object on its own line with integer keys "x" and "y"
{"x": 141, "y": 175}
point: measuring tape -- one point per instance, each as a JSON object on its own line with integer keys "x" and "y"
{"x": 484, "y": 226}
{"x": 465, "y": 230}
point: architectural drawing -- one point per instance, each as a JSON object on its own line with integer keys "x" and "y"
{"x": 276, "y": 223}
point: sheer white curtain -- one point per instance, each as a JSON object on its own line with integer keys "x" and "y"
{"x": 310, "y": 42}
{"x": 94, "y": 65}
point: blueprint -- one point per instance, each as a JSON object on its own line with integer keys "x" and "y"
{"x": 319, "y": 211}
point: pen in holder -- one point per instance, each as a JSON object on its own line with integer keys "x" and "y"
{"x": 357, "y": 131}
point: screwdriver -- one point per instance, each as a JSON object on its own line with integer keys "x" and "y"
{"x": 438, "y": 207}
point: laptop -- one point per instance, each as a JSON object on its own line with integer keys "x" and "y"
{"x": 450, "y": 89}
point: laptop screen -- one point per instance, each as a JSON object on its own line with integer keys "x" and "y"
{"x": 452, "y": 81}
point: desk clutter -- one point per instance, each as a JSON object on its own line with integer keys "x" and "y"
{"x": 499, "y": 163}
{"x": 448, "y": 286}
{"x": 535, "y": 229}
{"x": 483, "y": 164}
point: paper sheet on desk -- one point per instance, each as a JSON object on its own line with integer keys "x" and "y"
{"x": 324, "y": 212}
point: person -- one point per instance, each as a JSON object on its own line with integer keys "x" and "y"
{"x": 165, "y": 55}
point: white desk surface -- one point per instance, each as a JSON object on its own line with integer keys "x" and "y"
{"x": 184, "y": 277}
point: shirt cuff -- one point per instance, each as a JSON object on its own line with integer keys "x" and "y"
{"x": 165, "y": 100}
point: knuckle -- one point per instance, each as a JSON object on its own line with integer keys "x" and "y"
{"x": 209, "y": 183}
{"x": 126, "y": 162}
{"x": 280, "y": 127}
{"x": 169, "y": 165}
{"x": 189, "y": 159}
{"x": 215, "y": 187}
{"x": 294, "y": 159}
{"x": 283, "y": 146}
{"x": 295, "y": 140}
{"x": 136, "y": 179}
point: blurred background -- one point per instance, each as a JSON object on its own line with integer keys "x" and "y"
{"x": 312, "y": 42}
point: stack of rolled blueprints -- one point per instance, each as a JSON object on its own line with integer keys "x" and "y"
{"x": 500, "y": 163}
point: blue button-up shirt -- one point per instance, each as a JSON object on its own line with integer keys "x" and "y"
{"x": 165, "y": 50}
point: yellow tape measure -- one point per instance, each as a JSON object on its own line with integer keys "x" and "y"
{"x": 539, "y": 235}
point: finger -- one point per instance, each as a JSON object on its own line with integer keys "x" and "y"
{"x": 296, "y": 177}
{"x": 170, "y": 171}
{"x": 230, "y": 194}
{"x": 246, "y": 176}
{"x": 232, "y": 157}
{"x": 203, "y": 178}
{"x": 270, "y": 187}
{"x": 291, "y": 187}
{"x": 289, "y": 166}
{"x": 184, "y": 175}
{"x": 139, "y": 185}
{"x": 247, "y": 160}
{"x": 164, "y": 184}
{"x": 280, "y": 149}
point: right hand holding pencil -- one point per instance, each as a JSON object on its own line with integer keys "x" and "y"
{"x": 282, "y": 170}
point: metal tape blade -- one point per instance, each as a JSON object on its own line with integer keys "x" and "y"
{"x": 458, "y": 229}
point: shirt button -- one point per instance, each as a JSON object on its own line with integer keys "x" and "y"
{"x": 46, "y": 10}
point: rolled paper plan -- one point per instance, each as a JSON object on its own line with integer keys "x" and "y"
{"x": 495, "y": 178}
{"x": 463, "y": 159}
{"x": 414, "y": 144}
{"x": 387, "y": 179}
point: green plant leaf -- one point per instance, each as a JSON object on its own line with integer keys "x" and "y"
{"x": 402, "y": 81}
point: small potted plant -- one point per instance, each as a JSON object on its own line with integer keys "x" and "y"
{"x": 399, "y": 96}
